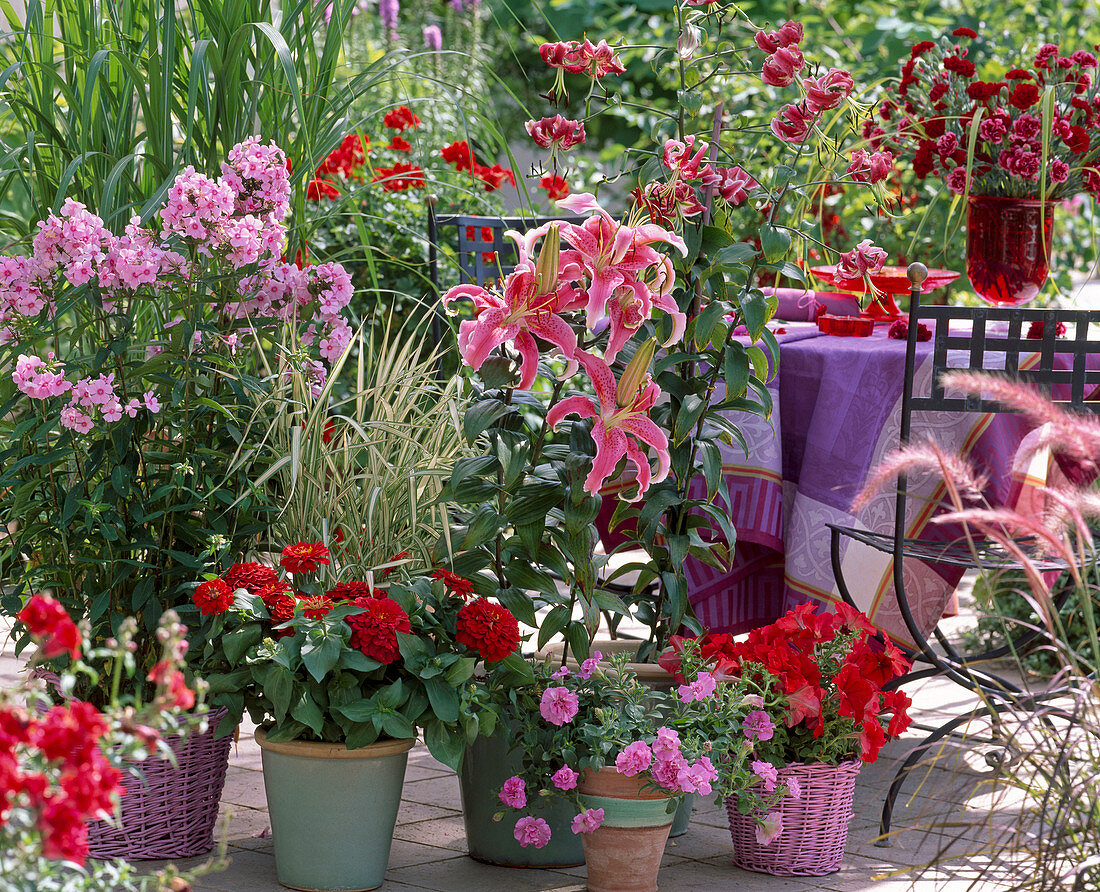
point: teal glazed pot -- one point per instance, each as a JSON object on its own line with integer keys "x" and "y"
{"x": 487, "y": 765}
{"x": 333, "y": 811}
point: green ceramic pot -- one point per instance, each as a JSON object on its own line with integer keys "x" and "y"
{"x": 487, "y": 765}
{"x": 332, "y": 811}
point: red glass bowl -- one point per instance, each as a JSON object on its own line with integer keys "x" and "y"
{"x": 846, "y": 326}
{"x": 890, "y": 279}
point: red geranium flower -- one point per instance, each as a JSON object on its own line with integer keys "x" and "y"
{"x": 459, "y": 155}
{"x": 487, "y": 628}
{"x": 51, "y": 627}
{"x": 494, "y": 177}
{"x": 401, "y": 118}
{"x": 304, "y": 557}
{"x": 401, "y": 177}
{"x": 556, "y": 187}
{"x": 315, "y": 606}
{"x": 374, "y": 631}
{"x": 250, "y": 576}
{"x": 213, "y": 597}
{"x": 400, "y": 144}
{"x": 318, "y": 189}
{"x": 352, "y": 589}
{"x": 458, "y": 585}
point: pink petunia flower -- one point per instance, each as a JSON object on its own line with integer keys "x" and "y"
{"x": 635, "y": 759}
{"x": 532, "y": 831}
{"x": 588, "y": 820}
{"x": 514, "y": 792}
{"x": 758, "y": 725}
{"x": 769, "y": 828}
{"x": 589, "y": 665}
{"x": 767, "y": 773}
{"x": 558, "y": 706}
{"x": 565, "y": 778}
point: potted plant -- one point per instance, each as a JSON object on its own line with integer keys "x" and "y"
{"x": 1013, "y": 138}
{"x": 69, "y": 765}
{"x": 823, "y": 712}
{"x": 341, "y": 679}
{"x": 622, "y": 755}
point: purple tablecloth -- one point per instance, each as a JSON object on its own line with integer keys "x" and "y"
{"x": 837, "y": 413}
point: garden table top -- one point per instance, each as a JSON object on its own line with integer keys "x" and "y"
{"x": 837, "y": 411}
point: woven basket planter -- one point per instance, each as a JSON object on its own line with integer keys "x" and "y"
{"x": 169, "y": 811}
{"x": 815, "y": 826}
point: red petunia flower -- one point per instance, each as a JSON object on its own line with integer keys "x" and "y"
{"x": 1035, "y": 330}
{"x": 250, "y": 576}
{"x": 213, "y": 597}
{"x": 374, "y": 631}
{"x": 401, "y": 118}
{"x": 352, "y": 589}
{"x": 487, "y": 628}
{"x": 304, "y": 557}
{"x": 315, "y": 606}
{"x": 458, "y": 585}
{"x": 50, "y": 626}
{"x": 556, "y": 187}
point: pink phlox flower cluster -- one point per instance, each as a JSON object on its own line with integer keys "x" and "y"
{"x": 20, "y": 294}
{"x": 558, "y": 705}
{"x": 767, "y": 773}
{"x": 38, "y": 379}
{"x": 758, "y": 725}
{"x": 532, "y": 832}
{"x": 870, "y": 167}
{"x": 588, "y": 820}
{"x": 565, "y": 778}
{"x": 700, "y": 689}
{"x": 556, "y": 133}
{"x": 863, "y": 260}
{"x": 514, "y": 792}
{"x": 196, "y": 207}
{"x": 76, "y": 242}
{"x": 258, "y": 174}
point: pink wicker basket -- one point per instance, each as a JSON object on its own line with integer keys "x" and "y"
{"x": 169, "y": 811}
{"x": 815, "y": 826}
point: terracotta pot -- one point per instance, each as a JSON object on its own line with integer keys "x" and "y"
{"x": 624, "y": 853}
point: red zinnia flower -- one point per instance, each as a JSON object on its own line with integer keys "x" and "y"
{"x": 374, "y": 631}
{"x": 352, "y": 589}
{"x": 401, "y": 118}
{"x": 315, "y": 606}
{"x": 213, "y": 597}
{"x": 457, "y": 584}
{"x": 50, "y": 626}
{"x": 1024, "y": 95}
{"x": 487, "y": 628}
{"x": 556, "y": 187}
{"x": 280, "y": 603}
{"x": 250, "y": 576}
{"x": 304, "y": 557}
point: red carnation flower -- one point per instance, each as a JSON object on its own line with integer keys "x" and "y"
{"x": 980, "y": 91}
{"x": 919, "y": 49}
{"x": 304, "y": 557}
{"x": 213, "y": 597}
{"x": 250, "y": 576}
{"x": 50, "y": 626}
{"x": 487, "y": 628}
{"x": 1035, "y": 330}
{"x": 964, "y": 32}
{"x": 374, "y": 631}
{"x": 458, "y": 585}
{"x": 1018, "y": 74}
{"x": 353, "y": 589}
{"x": 401, "y": 118}
{"x": 1023, "y": 95}
{"x": 939, "y": 90}
{"x": 959, "y": 65}
{"x": 1078, "y": 140}
{"x": 315, "y": 606}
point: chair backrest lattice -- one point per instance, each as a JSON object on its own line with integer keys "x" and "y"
{"x": 996, "y": 341}
{"x": 483, "y": 252}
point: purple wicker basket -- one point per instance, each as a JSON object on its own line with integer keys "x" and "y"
{"x": 169, "y": 811}
{"x": 815, "y": 826}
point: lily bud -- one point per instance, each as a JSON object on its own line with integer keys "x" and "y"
{"x": 688, "y": 43}
{"x": 635, "y": 373}
{"x": 546, "y": 270}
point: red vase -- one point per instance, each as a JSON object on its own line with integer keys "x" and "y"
{"x": 1008, "y": 247}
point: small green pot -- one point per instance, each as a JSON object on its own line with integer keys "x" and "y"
{"x": 487, "y": 765}
{"x": 332, "y": 811}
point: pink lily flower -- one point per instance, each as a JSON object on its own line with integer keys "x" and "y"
{"x": 619, "y": 418}
{"x": 633, "y": 302}
{"x": 522, "y": 313}
{"x": 609, "y": 251}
